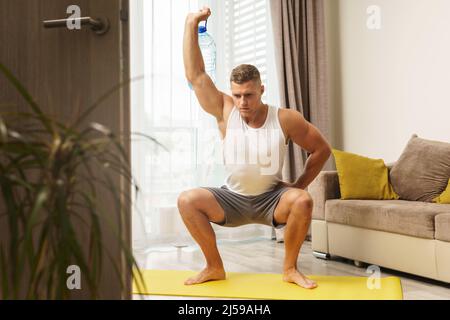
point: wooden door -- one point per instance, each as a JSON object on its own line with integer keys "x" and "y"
{"x": 66, "y": 71}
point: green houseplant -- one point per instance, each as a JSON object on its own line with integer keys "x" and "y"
{"x": 50, "y": 175}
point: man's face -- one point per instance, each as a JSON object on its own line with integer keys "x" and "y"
{"x": 247, "y": 97}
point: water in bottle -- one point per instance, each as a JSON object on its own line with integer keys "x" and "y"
{"x": 208, "y": 49}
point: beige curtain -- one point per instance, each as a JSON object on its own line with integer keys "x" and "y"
{"x": 299, "y": 35}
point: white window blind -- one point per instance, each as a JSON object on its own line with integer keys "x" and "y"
{"x": 246, "y": 34}
{"x": 243, "y": 31}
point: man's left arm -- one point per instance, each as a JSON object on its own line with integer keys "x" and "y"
{"x": 308, "y": 137}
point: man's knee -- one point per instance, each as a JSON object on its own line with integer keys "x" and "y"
{"x": 303, "y": 205}
{"x": 186, "y": 199}
{"x": 304, "y": 200}
{"x": 192, "y": 202}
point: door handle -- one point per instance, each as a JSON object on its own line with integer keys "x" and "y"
{"x": 99, "y": 25}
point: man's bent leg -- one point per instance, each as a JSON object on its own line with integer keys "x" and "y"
{"x": 197, "y": 208}
{"x": 294, "y": 209}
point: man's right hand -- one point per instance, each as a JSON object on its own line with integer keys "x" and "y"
{"x": 202, "y": 15}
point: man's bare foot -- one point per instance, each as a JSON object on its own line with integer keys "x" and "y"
{"x": 294, "y": 276}
{"x": 207, "y": 274}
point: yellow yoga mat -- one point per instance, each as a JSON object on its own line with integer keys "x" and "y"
{"x": 269, "y": 286}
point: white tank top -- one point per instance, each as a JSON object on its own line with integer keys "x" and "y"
{"x": 254, "y": 157}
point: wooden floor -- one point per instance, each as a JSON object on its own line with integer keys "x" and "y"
{"x": 266, "y": 256}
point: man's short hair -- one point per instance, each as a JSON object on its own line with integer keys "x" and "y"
{"x": 244, "y": 73}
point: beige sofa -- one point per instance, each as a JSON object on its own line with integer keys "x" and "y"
{"x": 408, "y": 236}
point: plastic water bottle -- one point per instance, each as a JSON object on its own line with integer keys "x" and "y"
{"x": 208, "y": 49}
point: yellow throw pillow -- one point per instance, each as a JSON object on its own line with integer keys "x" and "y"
{"x": 363, "y": 178}
{"x": 445, "y": 196}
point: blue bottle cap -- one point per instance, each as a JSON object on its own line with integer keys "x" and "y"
{"x": 203, "y": 29}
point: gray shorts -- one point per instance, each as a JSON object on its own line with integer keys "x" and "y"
{"x": 240, "y": 210}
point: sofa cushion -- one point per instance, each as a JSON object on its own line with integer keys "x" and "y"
{"x": 362, "y": 178}
{"x": 442, "y": 223}
{"x": 444, "y": 197}
{"x": 410, "y": 218}
{"x": 422, "y": 171}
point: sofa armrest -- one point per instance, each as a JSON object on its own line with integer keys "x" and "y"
{"x": 323, "y": 188}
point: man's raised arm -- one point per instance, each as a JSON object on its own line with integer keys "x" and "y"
{"x": 209, "y": 97}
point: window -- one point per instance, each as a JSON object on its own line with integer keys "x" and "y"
{"x": 164, "y": 107}
{"x": 245, "y": 30}
{"x": 246, "y": 34}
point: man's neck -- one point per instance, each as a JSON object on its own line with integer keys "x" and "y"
{"x": 259, "y": 117}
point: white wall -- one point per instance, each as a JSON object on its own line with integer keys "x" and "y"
{"x": 387, "y": 84}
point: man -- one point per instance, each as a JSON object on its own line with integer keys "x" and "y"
{"x": 251, "y": 195}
